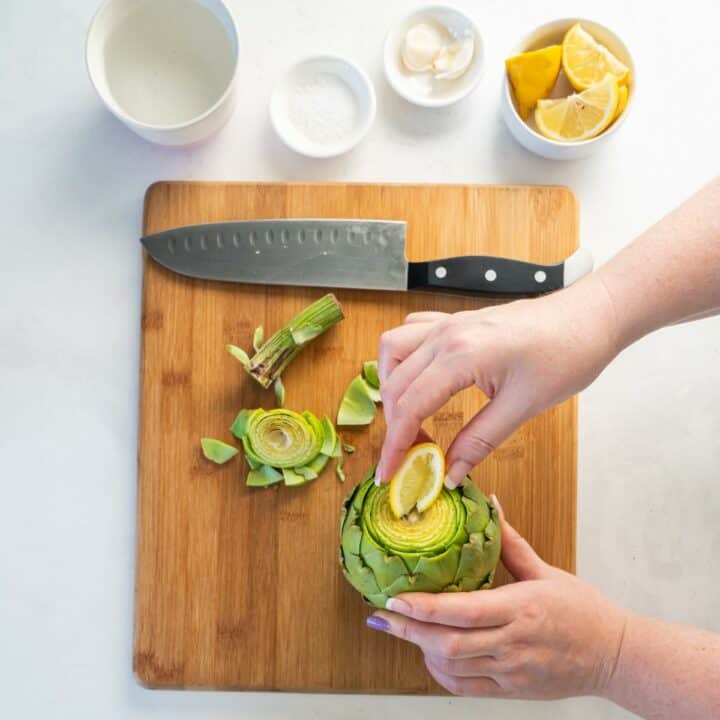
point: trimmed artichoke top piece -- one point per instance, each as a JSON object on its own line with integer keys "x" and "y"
{"x": 284, "y": 445}
{"x": 453, "y": 546}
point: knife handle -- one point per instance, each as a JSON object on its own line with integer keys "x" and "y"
{"x": 495, "y": 276}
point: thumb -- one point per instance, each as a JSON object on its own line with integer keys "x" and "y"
{"x": 519, "y": 558}
{"x": 498, "y": 419}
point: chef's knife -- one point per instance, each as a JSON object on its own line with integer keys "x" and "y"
{"x": 365, "y": 254}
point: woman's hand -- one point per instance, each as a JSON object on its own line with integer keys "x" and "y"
{"x": 525, "y": 356}
{"x": 548, "y": 636}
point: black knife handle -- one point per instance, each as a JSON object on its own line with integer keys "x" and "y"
{"x": 489, "y": 276}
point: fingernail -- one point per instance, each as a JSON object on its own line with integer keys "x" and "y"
{"x": 498, "y": 506}
{"x": 378, "y": 477}
{"x": 377, "y": 623}
{"x": 398, "y": 606}
{"x": 457, "y": 472}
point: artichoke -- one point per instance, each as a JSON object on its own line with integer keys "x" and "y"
{"x": 453, "y": 546}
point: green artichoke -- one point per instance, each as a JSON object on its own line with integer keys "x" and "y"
{"x": 453, "y": 546}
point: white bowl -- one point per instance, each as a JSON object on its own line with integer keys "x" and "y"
{"x": 308, "y": 76}
{"x": 166, "y": 68}
{"x": 552, "y": 33}
{"x": 420, "y": 88}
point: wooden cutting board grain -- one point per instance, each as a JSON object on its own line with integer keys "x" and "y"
{"x": 239, "y": 588}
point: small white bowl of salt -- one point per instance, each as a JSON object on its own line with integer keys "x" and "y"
{"x": 323, "y": 106}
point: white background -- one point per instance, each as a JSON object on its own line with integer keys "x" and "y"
{"x": 71, "y": 187}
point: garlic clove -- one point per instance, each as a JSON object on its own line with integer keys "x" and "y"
{"x": 453, "y": 60}
{"x": 423, "y": 43}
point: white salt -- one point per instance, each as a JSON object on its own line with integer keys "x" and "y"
{"x": 323, "y": 108}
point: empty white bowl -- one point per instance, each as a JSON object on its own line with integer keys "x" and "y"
{"x": 552, "y": 33}
{"x": 166, "y": 68}
{"x": 323, "y": 106}
{"x": 421, "y": 88}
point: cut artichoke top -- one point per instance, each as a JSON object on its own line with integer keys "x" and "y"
{"x": 454, "y": 545}
{"x": 282, "y": 438}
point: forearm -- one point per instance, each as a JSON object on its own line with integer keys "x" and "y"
{"x": 671, "y": 272}
{"x": 665, "y": 671}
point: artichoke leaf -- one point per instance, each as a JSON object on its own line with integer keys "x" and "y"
{"x": 239, "y": 354}
{"x": 306, "y": 471}
{"x": 472, "y": 491}
{"x": 258, "y": 337}
{"x": 316, "y": 465}
{"x": 379, "y": 600}
{"x": 476, "y": 561}
{"x": 250, "y": 456}
{"x": 263, "y": 476}
{"x": 329, "y": 436}
{"x": 470, "y": 584}
{"x": 387, "y": 568}
{"x": 217, "y": 451}
{"x": 252, "y": 463}
{"x": 411, "y": 583}
{"x": 337, "y": 450}
{"x": 240, "y": 424}
{"x": 292, "y": 478}
{"x": 356, "y": 407}
{"x": 372, "y": 393}
{"x": 370, "y": 373}
{"x": 339, "y": 469}
{"x": 362, "y": 576}
{"x": 478, "y": 515}
{"x": 441, "y": 569}
{"x": 279, "y": 389}
{"x": 351, "y": 540}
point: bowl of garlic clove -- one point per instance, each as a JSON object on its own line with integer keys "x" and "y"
{"x": 433, "y": 57}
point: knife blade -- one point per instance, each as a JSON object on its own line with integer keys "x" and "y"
{"x": 338, "y": 253}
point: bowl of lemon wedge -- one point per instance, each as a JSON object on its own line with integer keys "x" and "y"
{"x": 568, "y": 88}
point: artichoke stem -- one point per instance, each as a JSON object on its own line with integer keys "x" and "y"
{"x": 279, "y": 351}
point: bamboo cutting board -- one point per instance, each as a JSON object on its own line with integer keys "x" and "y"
{"x": 237, "y": 587}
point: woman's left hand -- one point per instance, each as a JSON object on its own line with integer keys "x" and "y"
{"x": 547, "y": 636}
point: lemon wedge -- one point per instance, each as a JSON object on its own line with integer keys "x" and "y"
{"x": 586, "y": 62}
{"x": 419, "y": 481}
{"x": 533, "y": 75}
{"x": 580, "y": 116}
{"x": 622, "y": 101}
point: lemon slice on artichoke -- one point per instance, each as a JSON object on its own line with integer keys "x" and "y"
{"x": 418, "y": 482}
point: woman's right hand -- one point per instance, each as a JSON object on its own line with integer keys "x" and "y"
{"x": 525, "y": 356}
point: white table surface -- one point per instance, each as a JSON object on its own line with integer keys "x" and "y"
{"x": 72, "y": 181}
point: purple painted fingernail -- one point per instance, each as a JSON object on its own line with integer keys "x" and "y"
{"x": 377, "y": 623}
